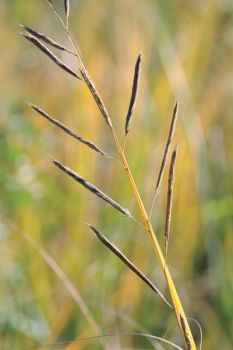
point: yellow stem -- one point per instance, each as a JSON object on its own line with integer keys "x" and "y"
{"x": 174, "y": 295}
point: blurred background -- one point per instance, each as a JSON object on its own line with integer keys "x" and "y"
{"x": 187, "y": 55}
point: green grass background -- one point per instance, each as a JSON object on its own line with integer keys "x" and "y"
{"x": 187, "y": 54}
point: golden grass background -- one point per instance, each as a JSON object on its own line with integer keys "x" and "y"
{"x": 187, "y": 54}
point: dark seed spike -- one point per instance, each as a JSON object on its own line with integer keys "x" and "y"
{"x": 92, "y": 188}
{"x": 169, "y": 198}
{"x": 133, "y": 94}
{"x": 67, "y": 130}
{"x": 46, "y": 39}
{"x": 96, "y": 96}
{"x": 48, "y": 53}
{"x": 127, "y": 262}
{"x": 67, "y": 9}
{"x": 167, "y": 147}
{"x": 185, "y": 332}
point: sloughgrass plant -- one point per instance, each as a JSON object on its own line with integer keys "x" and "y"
{"x": 40, "y": 40}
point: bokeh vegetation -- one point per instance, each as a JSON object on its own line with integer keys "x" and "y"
{"x": 187, "y": 54}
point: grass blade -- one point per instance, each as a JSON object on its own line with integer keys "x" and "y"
{"x": 72, "y": 290}
{"x": 133, "y": 94}
{"x": 68, "y": 131}
{"x": 127, "y": 262}
{"x": 51, "y": 55}
{"x": 169, "y": 198}
{"x": 92, "y": 188}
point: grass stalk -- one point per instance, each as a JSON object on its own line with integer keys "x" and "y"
{"x": 178, "y": 308}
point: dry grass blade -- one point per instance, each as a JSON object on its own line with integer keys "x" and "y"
{"x": 128, "y": 263}
{"x": 96, "y": 96}
{"x": 67, "y": 10}
{"x": 51, "y": 55}
{"x": 68, "y": 131}
{"x": 168, "y": 144}
{"x": 72, "y": 290}
{"x": 169, "y": 198}
{"x": 92, "y": 188}
{"x": 72, "y": 344}
{"x": 46, "y": 39}
{"x": 185, "y": 332}
{"x": 133, "y": 94}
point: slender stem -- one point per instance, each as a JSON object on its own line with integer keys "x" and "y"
{"x": 174, "y": 295}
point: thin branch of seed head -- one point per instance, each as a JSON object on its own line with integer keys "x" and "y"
{"x": 92, "y": 188}
{"x": 169, "y": 198}
{"x": 68, "y": 131}
{"x": 51, "y": 55}
{"x": 74, "y": 44}
{"x": 133, "y": 93}
{"x": 139, "y": 223}
{"x": 186, "y": 335}
{"x": 46, "y": 39}
{"x": 165, "y": 155}
{"x": 85, "y": 73}
{"x": 127, "y": 262}
{"x": 67, "y": 11}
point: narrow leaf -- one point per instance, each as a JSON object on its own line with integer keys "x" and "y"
{"x": 127, "y": 262}
{"x": 92, "y": 188}
{"x": 51, "y": 55}
{"x": 133, "y": 94}
{"x": 68, "y": 131}
{"x": 69, "y": 286}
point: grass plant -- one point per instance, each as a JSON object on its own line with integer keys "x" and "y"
{"x": 40, "y": 40}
